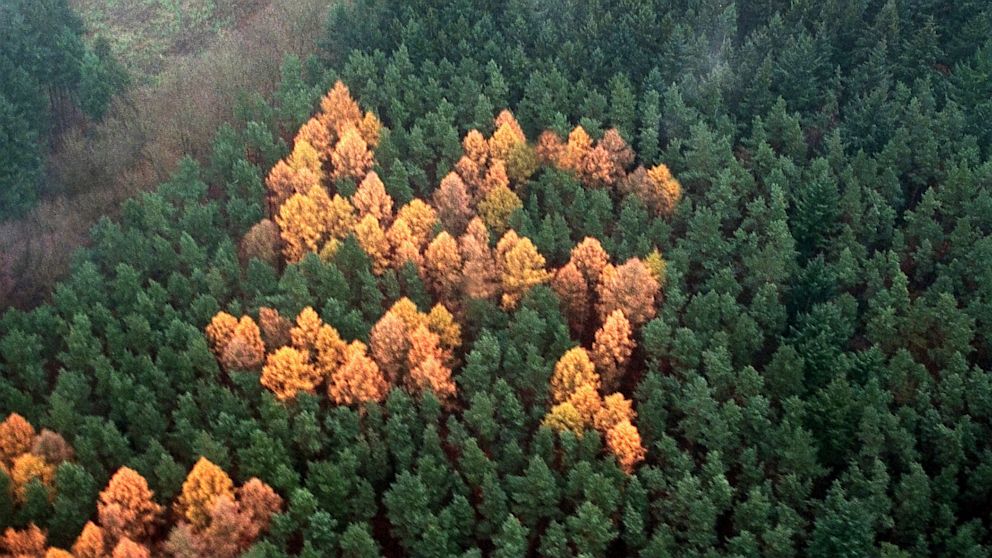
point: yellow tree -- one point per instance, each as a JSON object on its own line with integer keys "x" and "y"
{"x": 316, "y": 134}
{"x": 302, "y": 223}
{"x": 586, "y": 400}
{"x": 16, "y": 436}
{"x": 126, "y": 508}
{"x": 590, "y": 259}
{"x": 421, "y": 218}
{"x": 574, "y": 154}
{"x": 27, "y": 467}
{"x": 497, "y": 206}
{"x": 629, "y": 288}
{"x": 615, "y": 409}
{"x": 564, "y": 416}
{"x": 304, "y": 334}
{"x": 612, "y": 348}
{"x": 521, "y": 163}
{"x": 506, "y": 118}
{"x": 338, "y": 110}
{"x": 305, "y": 156}
{"x": 573, "y": 370}
{"x": 329, "y": 350}
{"x": 476, "y": 148}
{"x": 369, "y": 128}
{"x": 287, "y": 372}
{"x": 371, "y": 199}
{"x": 358, "y": 380}
{"x": 351, "y": 157}
{"x": 205, "y": 483}
{"x": 442, "y": 322}
{"x": 479, "y": 275}
{"x": 339, "y": 219}
{"x": 403, "y": 246}
{"x": 657, "y": 265}
{"x": 283, "y": 181}
{"x": 523, "y": 268}
{"x": 432, "y": 374}
{"x": 495, "y": 178}
{"x": 504, "y": 139}
{"x": 624, "y": 441}
{"x": 443, "y": 266}
{"x": 665, "y": 191}
{"x": 373, "y": 241}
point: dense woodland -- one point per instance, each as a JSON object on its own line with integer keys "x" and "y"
{"x": 539, "y": 279}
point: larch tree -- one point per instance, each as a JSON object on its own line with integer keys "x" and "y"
{"x": 352, "y": 157}
{"x": 329, "y": 350}
{"x": 495, "y": 178}
{"x": 126, "y": 508}
{"x": 373, "y": 241}
{"x": 275, "y": 328}
{"x": 339, "y": 219}
{"x": 371, "y": 199}
{"x": 338, "y": 110}
{"x": 506, "y": 119}
{"x": 571, "y": 288}
{"x": 127, "y": 548}
{"x": 453, "y": 203}
{"x": 27, "y": 467}
{"x": 497, "y": 206}
{"x": 303, "y": 334}
{"x": 204, "y": 484}
{"x": 220, "y": 330}
{"x": 421, "y": 218}
{"x": 612, "y": 348}
{"x": 245, "y": 350}
{"x": 441, "y": 322}
{"x": 574, "y": 154}
{"x": 51, "y": 447}
{"x": 370, "y": 129}
{"x": 590, "y": 258}
{"x": 521, "y": 163}
{"x": 476, "y": 148}
{"x": 358, "y": 380}
{"x": 259, "y": 502}
{"x": 283, "y": 181}
{"x": 615, "y": 409}
{"x": 479, "y": 274}
{"x": 504, "y": 139}
{"x": 523, "y": 268}
{"x": 305, "y": 157}
{"x": 302, "y": 223}
{"x": 573, "y": 370}
{"x": 90, "y": 543}
{"x": 431, "y": 373}
{"x": 657, "y": 265}
{"x": 621, "y": 155}
{"x": 316, "y": 134}
{"x": 665, "y": 192}
{"x": 403, "y": 245}
{"x": 287, "y": 372}
{"x": 16, "y": 436}
{"x": 564, "y": 416}
{"x": 588, "y": 403}
{"x": 389, "y": 345}
{"x": 443, "y": 267}
{"x": 550, "y": 148}
{"x": 262, "y": 243}
{"x": 597, "y": 168}
{"x": 624, "y": 441}
{"x": 630, "y": 288}
{"x": 23, "y": 543}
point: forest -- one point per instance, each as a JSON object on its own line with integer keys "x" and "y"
{"x": 523, "y": 279}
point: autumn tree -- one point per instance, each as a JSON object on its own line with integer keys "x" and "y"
{"x": 624, "y": 441}
{"x": 90, "y": 542}
{"x": 630, "y": 288}
{"x": 358, "y": 380}
{"x": 495, "y": 178}
{"x": 443, "y": 266}
{"x": 262, "y": 243}
{"x": 573, "y": 370}
{"x": 612, "y": 348}
{"x": 665, "y": 191}
{"x": 570, "y": 285}
{"x": 521, "y": 163}
{"x": 370, "y": 198}
{"x": 23, "y": 543}
{"x": 205, "y": 483}
{"x": 587, "y": 401}
{"x": 288, "y": 371}
{"x": 126, "y": 508}
{"x": 373, "y": 241}
{"x": 338, "y": 110}
{"x": 51, "y": 447}
{"x": 453, "y": 203}
{"x": 441, "y": 322}
{"x": 27, "y": 467}
{"x": 590, "y": 259}
{"x": 522, "y": 268}
{"x": 351, "y": 157}
{"x": 615, "y": 409}
{"x": 303, "y": 223}
{"x": 315, "y": 133}
{"x": 245, "y": 350}
{"x": 127, "y": 548}
{"x": 421, "y": 218}
{"x": 16, "y": 436}
{"x": 403, "y": 245}
{"x": 328, "y": 350}
{"x": 657, "y": 265}
{"x": 389, "y": 345}
{"x": 274, "y": 327}
{"x": 508, "y": 135}
{"x": 480, "y": 280}
{"x": 564, "y": 416}
{"x": 303, "y": 334}
{"x": 432, "y": 374}
{"x": 497, "y": 206}
{"x": 220, "y": 330}
{"x": 283, "y": 181}
{"x": 550, "y": 147}
{"x": 574, "y": 153}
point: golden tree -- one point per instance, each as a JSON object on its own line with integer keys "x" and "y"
{"x": 403, "y": 245}
{"x": 598, "y": 167}
{"x": 205, "y": 483}
{"x": 506, "y": 118}
{"x": 495, "y": 178}
{"x": 287, "y": 372}
{"x": 629, "y": 288}
{"x": 352, "y": 157}
{"x": 89, "y": 543}
{"x": 431, "y": 374}
{"x": 453, "y": 203}
{"x": 305, "y": 156}
{"x": 371, "y": 199}
{"x": 302, "y": 223}
{"x": 476, "y": 148}
{"x": 442, "y": 322}
{"x": 504, "y": 139}
{"x": 389, "y": 345}
{"x": 621, "y": 154}
{"x": 615, "y": 409}
{"x": 339, "y": 218}
{"x": 574, "y": 154}
{"x": 550, "y": 148}
{"x": 624, "y": 441}
{"x": 27, "y": 467}
{"x": 358, "y": 380}
{"x": 443, "y": 266}
{"x": 522, "y": 268}
{"x": 316, "y": 134}
{"x": 245, "y": 350}
{"x": 521, "y": 163}
{"x": 329, "y": 350}
{"x": 421, "y": 219}
{"x": 16, "y": 436}
{"x": 407, "y": 311}
{"x": 586, "y": 400}
{"x": 126, "y": 508}
{"x": 283, "y": 181}
{"x": 590, "y": 259}
{"x": 573, "y": 370}
{"x": 53, "y": 552}
{"x": 570, "y": 285}
{"x": 220, "y": 330}
{"x": 338, "y": 110}
{"x": 369, "y": 128}
{"x": 497, "y": 206}
{"x": 612, "y": 348}
{"x": 564, "y": 416}
{"x": 127, "y": 548}
{"x": 479, "y": 274}
{"x": 666, "y": 191}
{"x": 23, "y": 543}
{"x": 304, "y": 334}
{"x": 373, "y": 241}
{"x": 657, "y": 265}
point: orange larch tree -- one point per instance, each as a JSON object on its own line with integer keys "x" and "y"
{"x": 245, "y": 350}
{"x": 316, "y": 134}
{"x": 16, "y": 436}
{"x": 495, "y": 178}
{"x": 275, "y": 328}
{"x": 288, "y": 371}
{"x": 352, "y": 157}
{"x": 27, "y": 467}
{"x": 338, "y": 110}
{"x": 479, "y": 275}
{"x": 421, "y": 218}
{"x": 371, "y": 199}
{"x": 23, "y": 543}
{"x": 523, "y": 268}
{"x": 624, "y": 441}
{"x": 358, "y": 380}
{"x": 570, "y": 285}
{"x": 573, "y": 370}
{"x": 431, "y": 374}
{"x": 126, "y": 508}
{"x": 630, "y": 288}
{"x": 612, "y": 348}
{"x": 496, "y": 207}
{"x": 90, "y": 543}
{"x": 283, "y": 181}
{"x": 443, "y": 267}
{"x": 588, "y": 403}
{"x": 403, "y": 245}
{"x": 615, "y": 409}
{"x": 441, "y": 321}
{"x": 574, "y": 154}
{"x": 373, "y": 241}
{"x": 453, "y": 203}
{"x": 329, "y": 350}
{"x": 204, "y": 484}
{"x": 665, "y": 191}
{"x": 304, "y": 334}
{"x": 550, "y": 148}
{"x": 302, "y": 223}
{"x": 389, "y": 345}
{"x": 590, "y": 259}
{"x": 564, "y": 416}
{"x": 220, "y": 330}
{"x": 127, "y": 548}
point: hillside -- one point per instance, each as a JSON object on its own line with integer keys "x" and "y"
{"x": 538, "y": 279}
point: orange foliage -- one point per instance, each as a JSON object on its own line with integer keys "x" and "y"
{"x": 127, "y": 548}
{"x": 598, "y": 167}
{"x": 339, "y": 217}
{"x": 564, "y": 416}
{"x": 495, "y": 178}
{"x": 57, "y": 553}
{"x": 431, "y": 374}
{"x": 245, "y": 350}
{"x": 89, "y": 543}
{"x": 612, "y": 348}
{"x": 283, "y": 181}
{"x": 442, "y": 322}
{"x": 550, "y": 147}
{"x": 573, "y": 370}
{"x": 574, "y": 154}
{"x": 27, "y": 467}
{"x": 506, "y": 118}
{"x": 351, "y": 157}
{"x": 16, "y": 435}
{"x": 480, "y": 269}
{"x": 625, "y": 442}
{"x": 403, "y": 245}
{"x": 275, "y": 328}
{"x": 304, "y": 333}
{"x": 453, "y": 203}
{"x": 371, "y": 199}
{"x": 302, "y": 222}
{"x": 421, "y": 219}
{"x": 316, "y": 134}
{"x": 126, "y": 508}
{"x": 288, "y": 371}
{"x": 369, "y": 128}
{"x": 26, "y": 543}
{"x": 615, "y": 409}
{"x": 407, "y": 311}
{"x": 504, "y": 139}
{"x": 338, "y": 110}
{"x": 497, "y": 206}
{"x": 305, "y": 157}
{"x": 586, "y": 400}
{"x": 329, "y": 350}
{"x": 373, "y": 241}
{"x": 665, "y": 191}
{"x": 472, "y": 174}
{"x": 389, "y": 345}
{"x": 443, "y": 266}
{"x": 621, "y": 154}
{"x": 590, "y": 259}
{"x": 357, "y": 380}
{"x": 476, "y": 148}
{"x": 205, "y": 483}
{"x": 570, "y": 285}
{"x": 629, "y": 288}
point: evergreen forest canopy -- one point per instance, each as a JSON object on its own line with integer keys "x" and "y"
{"x": 541, "y": 279}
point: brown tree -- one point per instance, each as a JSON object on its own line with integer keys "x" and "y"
{"x": 587, "y": 401}
{"x": 629, "y": 288}
{"x": 51, "y": 447}
{"x": 275, "y": 328}
{"x": 245, "y": 350}
{"x": 371, "y": 199}
{"x": 262, "y": 243}
{"x": 352, "y": 157}
{"x": 126, "y": 508}
{"x": 16, "y": 437}
{"x": 358, "y": 380}
{"x": 443, "y": 267}
{"x": 288, "y": 371}
{"x": 550, "y": 148}
{"x": 453, "y": 203}
{"x": 612, "y": 348}
{"x": 389, "y": 345}
{"x": 590, "y": 259}
{"x": 570, "y": 285}
{"x": 479, "y": 274}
